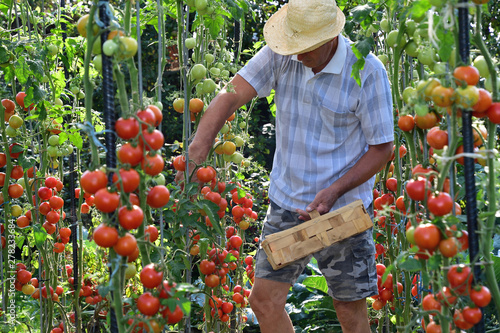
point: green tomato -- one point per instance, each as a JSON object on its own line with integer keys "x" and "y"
{"x": 409, "y": 95}
{"x": 109, "y": 47}
{"x": 481, "y": 65}
{"x": 437, "y": 3}
{"x": 130, "y": 271}
{"x": 242, "y": 125}
{"x": 54, "y": 140}
{"x": 199, "y": 89}
{"x": 466, "y": 97}
{"x": 81, "y": 95}
{"x": 15, "y": 121}
{"x": 227, "y": 158}
{"x": 58, "y": 101}
{"x": 159, "y": 179}
{"x": 383, "y": 58}
{"x": 237, "y": 158}
{"x": 198, "y": 72}
{"x": 427, "y": 56}
{"x": 190, "y": 43}
{"x": 238, "y": 141}
{"x": 219, "y": 65}
{"x": 488, "y": 83}
{"x": 45, "y": 79}
{"x": 52, "y": 151}
{"x": 215, "y": 71}
{"x": 410, "y": 235}
{"x": 384, "y": 25}
{"x": 412, "y": 49}
{"x": 64, "y": 151}
{"x": 75, "y": 90}
{"x": 190, "y": 3}
{"x": 209, "y": 58}
{"x": 159, "y": 105}
{"x": 70, "y": 149}
{"x": 21, "y": 182}
{"x": 224, "y": 129}
{"x": 96, "y": 48}
{"x": 53, "y": 49}
{"x": 128, "y": 46}
{"x": 411, "y": 26}
{"x": 233, "y": 69}
{"x": 97, "y": 61}
{"x": 439, "y": 68}
{"x": 392, "y": 38}
{"x": 421, "y": 110}
{"x": 224, "y": 73}
{"x": 11, "y": 132}
{"x": 209, "y": 86}
{"x": 200, "y": 4}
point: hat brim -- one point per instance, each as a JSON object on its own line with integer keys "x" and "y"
{"x": 279, "y": 42}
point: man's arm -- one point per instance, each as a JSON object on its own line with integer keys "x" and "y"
{"x": 367, "y": 166}
{"x": 216, "y": 114}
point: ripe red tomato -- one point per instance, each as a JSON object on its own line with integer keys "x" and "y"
{"x": 205, "y": 174}
{"x": 127, "y": 129}
{"x": 472, "y": 315}
{"x": 173, "y": 317}
{"x": 460, "y": 278}
{"x": 17, "y": 172}
{"x": 441, "y": 204}
{"x": 236, "y": 241}
{"x": 130, "y": 218}
{"x": 15, "y": 191}
{"x": 150, "y": 277}
{"x": 480, "y": 295}
{"x": 180, "y": 163}
{"x": 3, "y": 160}
{"x": 44, "y": 193}
{"x": 427, "y": 236}
{"x": 147, "y": 117}
{"x": 428, "y": 121}
{"x": 147, "y": 304}
{"x": 392, "y": 184}
{"x": 448, "y": 247}
{"x": 446, "y": 296}
{"x": 92, "y": 181}
{"x": 105, "y": 201}
{"x": 151, "y": 233}
{"x": 406, "y": 123}
{"x": 460, "y": 322}
{"x": 23, "y": 276}
{"x": 466, "y": 74}
{"x": 207, "y": 267}
{"x": 484, "y": 101}
{"x": 418, "y": 189}
{"x": 105, "y": 236}
{"x": 9, "y": 108}
{"x": 65, "y": 232}
{"x": 56, "y": 202}
{"x": 158, "y": 114}
{"x": 431, "y": 304}
{"x": 152, "y": 140}
{"x": 493, "y": 113}
{"x": 126, "y": 245}
{"x": 130, "y": 179}
{"x": 152, "y": 164}
{"x": 212, "y": 280}
{"x": 437, "y": 138}
{"x": 158, "y": 196}
{"x": 128, "y": 154}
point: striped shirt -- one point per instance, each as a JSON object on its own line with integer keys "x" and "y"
{"x": 324, "y": 122}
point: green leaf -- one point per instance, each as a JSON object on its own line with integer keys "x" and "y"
{"x": 420, "y": 8}
{"x": 446, "y": 42}
{"x": 410, "y": 265}
{"x": 22, "y": 70}
{"x": 20, "y": 241}
{"x": 26, "y": 161}
{"x": 4, "y": 54}
{"x": 363, "y": 14}
{"x": 496, "y": 266}
{"x": 434, "y": 263}
{"x": 316, "y": 282}
{"x": 40, "y": 235}
{"x": 214, "y": 25}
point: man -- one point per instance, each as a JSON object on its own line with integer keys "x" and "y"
{"x": 332, "y": 136}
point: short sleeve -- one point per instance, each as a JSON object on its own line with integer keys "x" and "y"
{"x": 375, "y": 108}
{"x": 261, "y": 71}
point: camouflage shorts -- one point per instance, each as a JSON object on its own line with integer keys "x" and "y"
{"x": 348, "y": 266}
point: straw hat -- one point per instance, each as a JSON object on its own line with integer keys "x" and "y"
{"x": 303, "y": 25}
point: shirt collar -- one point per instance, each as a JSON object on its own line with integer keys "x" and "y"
{"x": 337, "y": 62}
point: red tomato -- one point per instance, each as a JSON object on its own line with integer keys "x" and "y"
{"x": 105, "y": 236}
{"x": 105, "y": 201}
{"x": 127, "y": 129}
{"x": 152, "y": 140}
{"x": 472, "y": 315}
{"x": 152, "y": 164}
{"x": 437, "y": 138}
{"x": 151, "y": 233}
{"x": 205, "y": 174}
{"x": 428, "y": 121}
{"x": 92, "y": 181}
{"x": 448, "y": 247}
{"x": 406, "y": 123}
{"x": 128, "y": 154}
{"x": 484, "y": 101}
{"x": 125, "y": 245}
{"x": 158, "y": 196}
{"x": 460, "y": 278}
{"x": 15, "y": 191}
{"x": 130, "y": 218}
{"x": 17, "y": 172}
{"x": 480, "y": 295}
{"x": 150, "y": 277}
{"x": 440, "y": 204}
{"x": 147, "y": 304}
{"x": 130, "y": 180}
{"x": 180, "y": 163}
{"x": 173, "y": 317}
{"x": 147, "y": 117}
{"x": 427, "y": 236}
{"x": 431, "y": 304}
{"x": 158, "y": 114}
{"x": 212, "y": 280}
{"x": 466, "y": 74}
{"x": 460, "y": 322}
{"x": 207, "y": 267}
{"x": 418, "y": 189}
{"x": 23, "y": 276}
{"x": 493, "y": 113}
{"x": 391, "y": 184}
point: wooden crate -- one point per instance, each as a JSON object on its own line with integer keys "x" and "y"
{"x": 285, "y": 247}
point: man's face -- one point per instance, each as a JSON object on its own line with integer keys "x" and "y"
{"x": 318, "y": 58}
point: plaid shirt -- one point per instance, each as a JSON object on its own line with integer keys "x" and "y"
{"x": 324, "y": 122}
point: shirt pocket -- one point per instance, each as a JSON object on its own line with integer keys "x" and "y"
{"x": 336, "y": 117}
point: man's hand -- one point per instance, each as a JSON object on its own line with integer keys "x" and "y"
{"x": 323, "y": 202}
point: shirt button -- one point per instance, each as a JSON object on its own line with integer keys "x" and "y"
{"x": 307, "y": 100}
